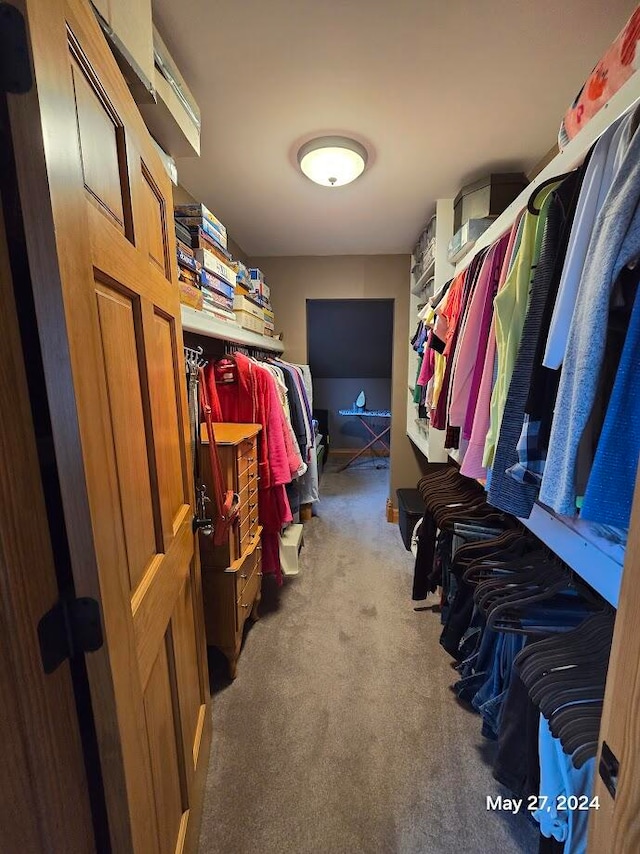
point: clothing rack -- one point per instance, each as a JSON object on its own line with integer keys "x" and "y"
{"x": 584, "y": 547}
{"x": 252, "y": 352}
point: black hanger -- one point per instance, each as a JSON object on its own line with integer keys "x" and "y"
{"x": 534, "y": 195}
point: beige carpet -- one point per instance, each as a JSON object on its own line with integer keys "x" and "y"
{"x": 340, "y": 734}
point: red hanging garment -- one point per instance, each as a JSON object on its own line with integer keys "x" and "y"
{"x": 253, "y": 399}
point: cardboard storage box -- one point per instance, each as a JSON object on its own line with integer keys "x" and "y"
{"x": 202, "y": 212}
{"x": 209, "y": 281}
{"x": 241, "y": 303}
{"x": 250, "y": 321}
{"x": 189, "y": 295}
{"x": 215, "y": 266}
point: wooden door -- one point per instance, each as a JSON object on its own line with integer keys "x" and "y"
{"x": 98, "y": 218}
{"x": 615, "y": 827}
{"x": 44, "y": 804}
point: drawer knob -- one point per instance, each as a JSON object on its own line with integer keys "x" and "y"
{"x": 244, "y": 575}
{"x": 246, "y": 606}
{"x": 260, "y": 575}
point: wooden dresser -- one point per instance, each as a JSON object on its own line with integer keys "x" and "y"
{"x": 232, "y": 572}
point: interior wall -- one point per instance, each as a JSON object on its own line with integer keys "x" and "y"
{"x": 294, "y": 280}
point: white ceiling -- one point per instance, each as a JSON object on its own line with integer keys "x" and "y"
{"x": 442, "y": 92}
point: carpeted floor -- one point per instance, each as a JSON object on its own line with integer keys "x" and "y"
{"x": 340, "y": 734}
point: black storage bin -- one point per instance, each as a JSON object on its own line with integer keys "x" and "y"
{"x": 411, "y": 508}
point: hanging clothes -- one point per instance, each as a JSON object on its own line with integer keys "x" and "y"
{"x": 308, "y": 484}
{"x": 603, "y": 164}
{"x": 616, "y": 242}
{"x": 252, "y": 398}
{"x": 472, "y": 463}
{"x": 296, "y": 408}
{"x": 296, "y": 464}
{"x": 609, "y": 493}
{"x": 474, "y": 338}
{"x": 510, "y": 306}
{"x": 459, "y": 292}
{"x": 506, "y": 492}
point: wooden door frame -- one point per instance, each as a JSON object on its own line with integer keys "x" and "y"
{"x": 44, "y": 799}
{"x": 57, "y": 264}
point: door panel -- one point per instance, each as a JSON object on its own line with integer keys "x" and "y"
{"x": 159, "y": 712}
{"x": 101, "y": 141}
{"x": 187, "y": 676}
{"x": 155, "y": 218}
{"x": 108, "y": 312}
{"x": 118, "y": 335}
{"x": 169, "y": 450}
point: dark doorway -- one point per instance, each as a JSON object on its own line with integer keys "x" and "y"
{"x": 350, "y": 344}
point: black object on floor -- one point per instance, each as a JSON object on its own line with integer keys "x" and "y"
{"x": 411, "y": 508}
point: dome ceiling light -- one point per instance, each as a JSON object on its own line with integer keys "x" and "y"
{"x": 332, "y": 161}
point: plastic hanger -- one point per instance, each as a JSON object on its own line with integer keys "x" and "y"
{"x": 531, "y": 207}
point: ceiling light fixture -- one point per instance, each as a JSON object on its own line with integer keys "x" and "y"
{"x": 332, "y": 161}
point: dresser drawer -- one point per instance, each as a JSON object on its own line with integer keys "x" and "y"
{"x": 248, "y": 477}
{"x": 249, "y": 495}
{"x": 244, "y": 568}
{"x": 246, "y": 449}
{"x": 249, "y": 594}
{"x": 245, "y": 527}
{"x": 254, "y": 519}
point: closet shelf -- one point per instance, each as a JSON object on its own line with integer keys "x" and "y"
{"x": 203, "y": 324}
{"x": 421, "y": 283}
{"x": 419, "y": 439}
{"x": 574, "y": 153}
{"x": 595, "y": 559}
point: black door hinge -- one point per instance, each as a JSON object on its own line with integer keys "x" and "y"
{"x": 609, "y": 769}
{"x": 71, "y": 628}
{"x": 15, "y": 66}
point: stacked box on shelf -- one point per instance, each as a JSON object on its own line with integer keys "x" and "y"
{"x": 201, "y": 216}
{"x": 243, "y": 279}
{"x": 182, "y": 233}
{"x": 188, "y": 276}
{"x": 424, "y": 250}
{"x": 215, "y": 266}
{"x": 249, "y": 314}
{"x": 269, "y": 325}
{"x": 217, "y": 293}
{"x": 259, "y": 289}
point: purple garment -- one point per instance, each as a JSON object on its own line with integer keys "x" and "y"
{"x": 493, "y": 277}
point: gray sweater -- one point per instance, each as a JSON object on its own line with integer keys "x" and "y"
{"x": 615, "y": 242}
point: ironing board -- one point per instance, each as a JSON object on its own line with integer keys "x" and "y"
{"x": 363, "y": 414}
